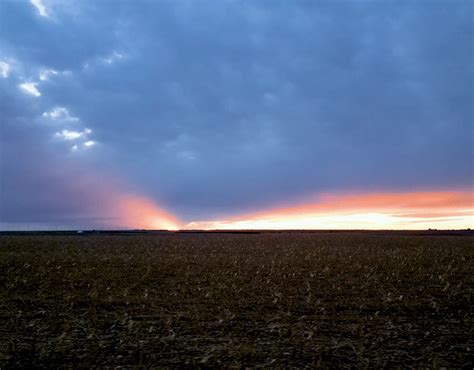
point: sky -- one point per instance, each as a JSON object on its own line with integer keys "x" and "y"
{"x": 178, "y": 114}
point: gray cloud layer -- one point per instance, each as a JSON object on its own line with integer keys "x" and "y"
{"x": 213, "y": 108}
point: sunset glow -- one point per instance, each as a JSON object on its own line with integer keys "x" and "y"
{"x": 107, "y": 124}
{"x": 132, "y": 212}
{"x": 416, "y": 210}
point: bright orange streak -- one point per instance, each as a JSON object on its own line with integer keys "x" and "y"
{"x": 140, "y": 213}
{"x": 411, "y": 210}
{"x": 384, "y": 201}
{"x": 115, "y": 205}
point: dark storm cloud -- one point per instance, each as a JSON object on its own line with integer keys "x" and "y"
{"x": 222, "y": 107}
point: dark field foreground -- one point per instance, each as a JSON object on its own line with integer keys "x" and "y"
{"x": 342, "y": 299}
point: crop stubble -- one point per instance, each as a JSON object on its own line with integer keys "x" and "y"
{"x": 270, "y": 299}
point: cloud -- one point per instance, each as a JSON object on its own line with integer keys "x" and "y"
{"x": 47, "y": 73}
{"x": 60, "y": 114}
{"x": 85, "y": 145}
{"x": 215, "y": 110}
{"x": 38, "y": 4}
{"x": 73, "y": 135}
{"x": 4, "y": 69}
{"x": 30, "y": 88}
{"x": 112, "y": 58}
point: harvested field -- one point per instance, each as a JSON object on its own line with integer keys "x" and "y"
{"x": 270, "y": 299}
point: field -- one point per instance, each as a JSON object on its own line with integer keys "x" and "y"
{"x": 268, "y": 300}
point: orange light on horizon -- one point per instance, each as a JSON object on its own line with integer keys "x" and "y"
{"x": 110, "y": 202}
{"x": 140, "y": 213}
{"x": 409, "y": 210}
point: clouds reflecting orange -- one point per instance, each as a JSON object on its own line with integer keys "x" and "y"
{"x": 130, "y": 211}
{"x": 394, "y": 210}
{"x": 110, "y": 203}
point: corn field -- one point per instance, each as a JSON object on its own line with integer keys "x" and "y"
{"x": 236, "y": 300}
